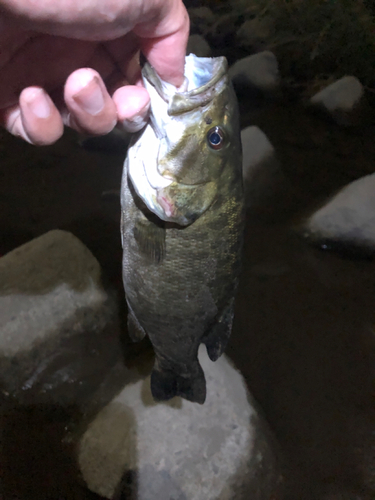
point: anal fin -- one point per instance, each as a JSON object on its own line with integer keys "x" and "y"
{"x": 217, "y": 337}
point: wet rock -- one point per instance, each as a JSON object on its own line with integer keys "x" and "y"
{"x": 50, "y": 291}
{"x": 258, "y": 71}
{"x": 343, "y": 100}
{"x": 197, "y": 45}
{"x": 347, "y": 221}
{"x": 262, "y": 174}
{"x": 255, "y": 33}
{"x": 180, "y": 450}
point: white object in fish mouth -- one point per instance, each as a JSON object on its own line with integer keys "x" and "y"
{"x": 150, "y": 163}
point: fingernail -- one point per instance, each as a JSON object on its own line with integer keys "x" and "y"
{"x": 138, "y": 121}
{"x": 39, "y": 103}
{"x": 90, "y": 97}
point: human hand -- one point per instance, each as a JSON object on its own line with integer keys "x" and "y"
{"x": 75, "y": 62}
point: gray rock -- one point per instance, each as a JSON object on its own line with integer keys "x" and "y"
{"x": 255, "y": 32}
{"x": 180, "y": 450}
{"x": 197, "y": 45}
{"x": 50, "y": 290}
{"x": 348, "y": 219}
{"x": 259, "y": 70}
{"x": 256, "y": 148}
{"x": 261, "y": 170}
{"x": 342, "y": 100}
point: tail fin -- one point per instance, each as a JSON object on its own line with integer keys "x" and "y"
{"x": 165, "y": 384}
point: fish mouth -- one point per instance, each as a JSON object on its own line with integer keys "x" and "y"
{"x": 166, "y": 205}
{"x": 171, "y": 213}
{"x": 204, "y": 78}
{"x": 183, "y": 204}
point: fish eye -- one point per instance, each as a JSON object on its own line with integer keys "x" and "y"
{"x": 215, "y": 138}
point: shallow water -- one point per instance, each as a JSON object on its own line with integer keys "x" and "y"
{"x": 304, "y": 340}
{"x": 304, "y": 330}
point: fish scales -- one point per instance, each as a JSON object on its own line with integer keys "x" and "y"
{"x": 182, "y": 254}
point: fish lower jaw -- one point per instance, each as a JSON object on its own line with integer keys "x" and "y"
{"x": 170, "y": 213}
{"x": 164, "y": 209}
{"x": 166, "y": 205}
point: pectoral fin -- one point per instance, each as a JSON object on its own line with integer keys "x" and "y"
{"x": 151, "y": 239}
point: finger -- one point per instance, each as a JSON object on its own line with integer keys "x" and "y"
{"x": 164, "y": 42}
{"x": 133, "y": 104}
{"x": 91, "y": 109}
{"x": 125, "y": 53}
{"x": 43, "y": 61}
{"x": 35, "y": 118}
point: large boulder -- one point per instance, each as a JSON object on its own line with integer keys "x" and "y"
{"x": 50, "y": 291}
{"x": 259, "y": 71}
{"x": 347, "y": 221}
{"x": 265, "y": 184}
{"x": 181, "y": 450}
{"x": 342, "y": 100}
{"x": 255, "y": 32}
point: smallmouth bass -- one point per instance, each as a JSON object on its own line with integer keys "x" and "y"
{"x": 182, "y": 222}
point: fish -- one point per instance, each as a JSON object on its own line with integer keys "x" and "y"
{"x": 182, "y": 222}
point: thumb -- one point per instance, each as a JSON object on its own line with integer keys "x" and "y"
{"x": 164, "y": 43}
